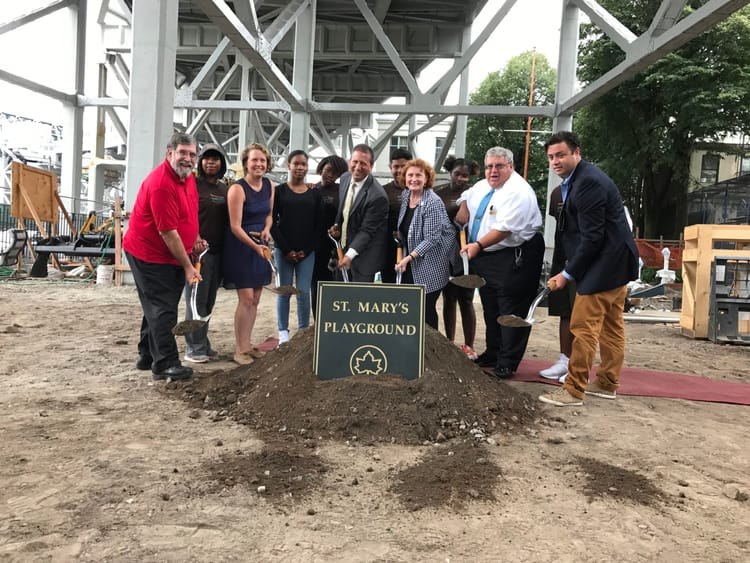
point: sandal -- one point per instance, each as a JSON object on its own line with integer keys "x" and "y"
{"x": 470, "y": 353}
{"x": 255, "y": 353}
{"x": 243, "y": 358}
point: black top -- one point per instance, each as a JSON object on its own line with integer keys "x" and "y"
{"x": 296, "y": 219}
{"x": 404, "y": 227}
{"x": 394, "y": 205}
{"x": 449, "y": 195}
{"x": 558, "y": 254}
{"x": 213, "y": 215}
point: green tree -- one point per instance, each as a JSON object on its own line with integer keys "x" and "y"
{"x": 510, "y": 86}
{"x": 643, "y": 131}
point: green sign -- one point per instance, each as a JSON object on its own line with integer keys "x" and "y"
{"x": 369, "y": 329}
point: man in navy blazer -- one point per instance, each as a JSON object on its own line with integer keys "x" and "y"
{"x": 602, "y": 259}
{"x": 362, "y": 219}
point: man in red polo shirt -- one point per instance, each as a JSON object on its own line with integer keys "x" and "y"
{"x": 162, "y": 232}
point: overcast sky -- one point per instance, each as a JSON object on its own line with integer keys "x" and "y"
{"x": 530, "y": 24}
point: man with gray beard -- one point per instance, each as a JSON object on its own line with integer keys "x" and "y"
{"x": 161, "y": 234}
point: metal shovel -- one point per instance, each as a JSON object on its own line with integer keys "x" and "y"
{"x": 470, "y": 281}
{"x": 399, "y": 256}
{"x": 340, "y": 254}
{"x": 516, "y": 321}
{"x": 191, "y": 325}
{"x": 277, "y": 288}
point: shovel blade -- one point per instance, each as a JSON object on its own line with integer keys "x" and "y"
{"x": 515, "y": 321}
{"x": 468, "y": 281}
{"x": 186, "y": 327}
{"x": 285, "y": 290}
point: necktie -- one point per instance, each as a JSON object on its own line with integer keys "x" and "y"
{"x": 347, "y": 207}
{"x": 480, "y": 213}
{"x": 564, "y": 188}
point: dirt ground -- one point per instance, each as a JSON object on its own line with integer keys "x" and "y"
{"x": 265, "y": 463}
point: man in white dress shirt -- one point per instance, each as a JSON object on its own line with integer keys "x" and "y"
{"x": 506, "y": 248}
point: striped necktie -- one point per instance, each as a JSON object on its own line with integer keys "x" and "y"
{"x": 350, "y": 195}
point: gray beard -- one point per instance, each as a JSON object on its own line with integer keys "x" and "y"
{"x": 181, "y": 172}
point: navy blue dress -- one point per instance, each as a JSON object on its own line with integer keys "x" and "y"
{"x": 243, "y": 267}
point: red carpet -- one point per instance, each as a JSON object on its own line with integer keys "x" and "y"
{"x": 651, "y": 383}
{"x": 640, "y": 382}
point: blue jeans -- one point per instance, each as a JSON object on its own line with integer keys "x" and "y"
{"x": 302, "y": 272}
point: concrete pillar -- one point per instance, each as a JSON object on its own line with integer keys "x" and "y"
{"x": 304, "y": 38}
{"x": 151, "y": 90}
{"x": 101, "y": 113}
{"x": 244, "y": 133}
{"x": 463, "y": 99}
{"x": 566, "y": 81}
{"x": 70, "y": 175}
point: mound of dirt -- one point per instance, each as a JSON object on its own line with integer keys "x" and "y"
{"x": 603, "y": 480}
{"x": 451, "y": 476}
{"x": 281, "y": 398}
{"x": 280, "y": 394}
{"x": 274, "y": 472}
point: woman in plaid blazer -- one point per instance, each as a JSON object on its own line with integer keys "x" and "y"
{"x": 426, "y": 234}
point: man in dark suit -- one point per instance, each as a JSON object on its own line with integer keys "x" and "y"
{"x": 362, "y": 219}
{"x": 602, "y": 258}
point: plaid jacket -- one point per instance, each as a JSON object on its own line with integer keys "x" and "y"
{"x": 433, "y": 237}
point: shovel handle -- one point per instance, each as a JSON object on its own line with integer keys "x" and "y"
{"x": 399, "y": 255}
{"x": 255, "y": 235}
{"x": 464, "y": 257}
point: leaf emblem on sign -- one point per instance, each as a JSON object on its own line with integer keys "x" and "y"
{"x": 368, "y": 364}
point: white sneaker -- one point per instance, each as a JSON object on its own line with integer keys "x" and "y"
{"x": 283, "y": 336}
{"x": 196, "y": 358}
{"x": 558, "y": 370}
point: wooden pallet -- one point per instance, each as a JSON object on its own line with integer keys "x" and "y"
{"x": 702, "y": 244}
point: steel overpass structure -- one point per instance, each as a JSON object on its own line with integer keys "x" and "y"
{"x": 305, "y": 73}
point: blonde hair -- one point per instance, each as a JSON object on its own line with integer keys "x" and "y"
{"x": 256, "y": 147}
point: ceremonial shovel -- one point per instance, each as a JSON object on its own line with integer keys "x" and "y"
{"x": 191, "y": 325}
{"x": 516, "y": 321}
{"x": 469, "y": 281}
{"x": 340, "y": 254}
{"x": 399, "y": 256}
{"x": 278, "y": 288}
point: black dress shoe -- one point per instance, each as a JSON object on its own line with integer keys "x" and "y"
{"x": 175, "y": 373}
{"x": 143, "y": 362}
{"x": 485, "y": 360}
{"x": 502, "y": 372}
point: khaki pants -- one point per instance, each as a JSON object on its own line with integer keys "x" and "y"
{"x": 597, "y": 321}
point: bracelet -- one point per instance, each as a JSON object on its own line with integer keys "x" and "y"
{"x": 479, "y": 244}
{"x": 411, "y": 255}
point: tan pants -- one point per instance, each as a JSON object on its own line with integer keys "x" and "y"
{"x": 597, "y": 321}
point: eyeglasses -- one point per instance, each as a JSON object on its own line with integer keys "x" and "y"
{"x": 496, "y": 166}
{"x": 186, "y": 154}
